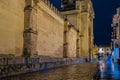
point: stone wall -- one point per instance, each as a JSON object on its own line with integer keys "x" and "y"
{"x": 50, "y": 32}
{"x": 85, "y": 34}
{"x": 82, "y": 17}
{"x": 19, "y": 65}
{"x": 74, "y": 19}
{"x": 72, "y": 38}
{"x": 50, "y": 27}
{"x": 11, "y": 26}
{"x": 36, "y": 26}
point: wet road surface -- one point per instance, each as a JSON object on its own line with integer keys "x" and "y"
{"x": 109, "y": 71}
{"x": 82, "y": 71}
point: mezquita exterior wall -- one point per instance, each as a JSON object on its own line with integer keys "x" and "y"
{"x": 50, "y": 29}
{"x": 11, "y": 26}
{"x": 50, "y": 32}
{"x": 35, "y": 27}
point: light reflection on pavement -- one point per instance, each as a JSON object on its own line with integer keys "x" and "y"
{"x": 82, "y": 71}
{"x": 109, "y": 71}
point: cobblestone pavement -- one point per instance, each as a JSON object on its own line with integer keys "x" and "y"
{"x": 82, "y": 71}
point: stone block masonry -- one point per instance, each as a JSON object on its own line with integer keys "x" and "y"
{"x": 35, "y": 27}
{"x": 11, "y": 26}
{"x": 19, "y": 65}
{"x": 30, "y": 26}
{"x": 50, "y": 32}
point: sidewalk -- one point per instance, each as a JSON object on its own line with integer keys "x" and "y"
{"x": 82, "y": 71}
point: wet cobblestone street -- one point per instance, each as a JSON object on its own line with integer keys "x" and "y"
{"x": 110, "y": 71}
{"x": 82, "y": 71}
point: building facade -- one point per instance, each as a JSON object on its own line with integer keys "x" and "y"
{"x": 116, "y": 34}
{"x": 80, "y": 13}
{"x": 37, "y": 28}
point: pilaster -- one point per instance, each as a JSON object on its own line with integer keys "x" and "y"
{"x": 30, "y": 28}
{"x": 78, "y": 45}
{"x": 65, "y": 45}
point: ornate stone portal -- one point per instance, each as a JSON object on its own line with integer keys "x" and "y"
{"x": 81, "y": 16}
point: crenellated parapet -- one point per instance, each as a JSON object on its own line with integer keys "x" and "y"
{"x": 50, "y": 5}
{"x": 47, "y": 2}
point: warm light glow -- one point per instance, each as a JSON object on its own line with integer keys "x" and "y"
{"x": 101, "y": 50}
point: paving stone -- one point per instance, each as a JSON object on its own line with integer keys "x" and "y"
{"x": 82, "y": 71}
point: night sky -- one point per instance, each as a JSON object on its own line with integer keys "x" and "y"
{"x": 104, "y": 10}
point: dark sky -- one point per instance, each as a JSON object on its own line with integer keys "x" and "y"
{"x": 104, "y": 10}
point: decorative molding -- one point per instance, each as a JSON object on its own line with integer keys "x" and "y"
{"x": 28, "y": 7}
{"x": 84, "y": 8}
